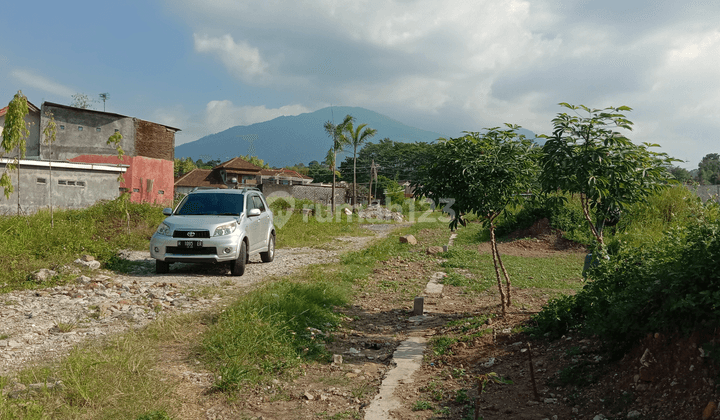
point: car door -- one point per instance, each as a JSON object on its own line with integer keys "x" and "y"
{"x": 262, "y": 222}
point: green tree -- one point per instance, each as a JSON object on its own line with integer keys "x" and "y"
{"x": 50, "y": 135}
{"x": 115, "y": 140}
{"x": 299, "y": 168}
{"x": 183, "y": 166}
{"x": 709, "y": 169}
{"x": 207, "y": 165}
{"x": 389, "y": 188}
{"x": 586, "y": 156}
{"x": 681, "y": 175}
{"x": 356, "y": 136}
{"x": 482, "y": 174}
{"x": 337, "y": 133}
{"x": 255, "y": 161}
{"x": 321, "y": 172}
{"x": 395, "y": 160}
{"x": 82, "y": 101}
{"x": 14, "y": 135}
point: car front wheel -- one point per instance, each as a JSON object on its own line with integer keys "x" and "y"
{"x": 237, "y": 267}
{"x": 162, "y": 267}
{"x": 269, "y": 255}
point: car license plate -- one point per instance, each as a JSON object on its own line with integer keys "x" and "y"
{"x": 189, "y": 244}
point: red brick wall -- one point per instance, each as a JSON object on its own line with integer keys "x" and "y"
{"x": 154, "y": 140}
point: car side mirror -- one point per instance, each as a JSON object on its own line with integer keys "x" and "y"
{"x": 254, "y": 212}
{"x": 167, "y": 211}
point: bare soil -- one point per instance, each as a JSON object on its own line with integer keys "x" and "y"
{"x": 662, "y": 377}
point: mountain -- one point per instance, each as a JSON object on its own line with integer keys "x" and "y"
{"x": 287, "y": 141}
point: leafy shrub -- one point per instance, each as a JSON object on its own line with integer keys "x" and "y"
{"x": 671, "y": 285}
{"x": 562, "y": 210}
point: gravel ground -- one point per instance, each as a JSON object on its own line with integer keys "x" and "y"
{"x": 43, "y": 324}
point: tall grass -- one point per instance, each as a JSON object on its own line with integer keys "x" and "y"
{"x": 648, "y": 221}
{"x": 109, "y": 380}
{"x": 266, "y": 333}
{"x": 30, "y": 243}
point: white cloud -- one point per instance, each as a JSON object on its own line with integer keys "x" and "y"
{"x": 241, "y": 59}
{"x": 473, "y": 64}
{"x": 36, "y": 81}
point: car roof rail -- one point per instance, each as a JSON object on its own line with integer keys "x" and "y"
{"x": 243, "y": 189}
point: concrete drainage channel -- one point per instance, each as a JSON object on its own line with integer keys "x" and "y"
{"x": 408, "y": 356}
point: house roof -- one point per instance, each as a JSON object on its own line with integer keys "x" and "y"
{"x": 238, "y": 164}
{"x": 31, "y": 108}
{"x": 283, "y": 173}
{"x": 200, "y": 178}
{"x": 92, "y": 111}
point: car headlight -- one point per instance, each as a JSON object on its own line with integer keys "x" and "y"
{"x": 226, "y": 229}
{"x": 164, "y": 229}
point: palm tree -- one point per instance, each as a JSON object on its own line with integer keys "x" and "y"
{"x": 356, "y": 137}
{"x": 336, "y": 132}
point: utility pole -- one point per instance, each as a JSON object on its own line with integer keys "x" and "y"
{"x": 372, "y": 169}
{"x": 334, "y": 148}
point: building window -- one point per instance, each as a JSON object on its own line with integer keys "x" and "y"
{"x": 122, "y": 190}
{"x": 136, "y": 189}
{"x": 41, "y": 181}
{"x": 97, "y": 129}
{"x": 80, "y": 127}
{"x": 161, "y": 192}
{"x": 62, "y": 127}
{"x": 71, "y": 183}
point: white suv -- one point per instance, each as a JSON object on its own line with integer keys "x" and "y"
{"x": 218, "y": 226}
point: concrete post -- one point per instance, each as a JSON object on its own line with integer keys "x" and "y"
{"x": 418, "y": 305}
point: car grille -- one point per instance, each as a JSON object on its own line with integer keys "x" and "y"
{"x": 191, "y": 251}
{"x": 196, "y": 234}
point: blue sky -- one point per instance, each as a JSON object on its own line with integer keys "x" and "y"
{"x": 445, "y": 66}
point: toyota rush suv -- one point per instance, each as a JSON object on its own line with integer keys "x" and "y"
{"x": 215, "y": 226}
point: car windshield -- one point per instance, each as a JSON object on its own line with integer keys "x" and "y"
{"x": 212, "y": 204}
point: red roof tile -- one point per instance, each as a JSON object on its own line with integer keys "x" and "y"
{"x": 239, "y": 164}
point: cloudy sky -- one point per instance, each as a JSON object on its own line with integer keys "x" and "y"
{"x": 445, "y": 66}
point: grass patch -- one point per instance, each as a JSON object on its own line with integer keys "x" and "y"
{"x": 441, "y": 345}
{"x": 560, "y": 272}
{"x": 111, "y": 380}
{"x": 272, "y": 330}
{"x": 316, "y": 230}
{"x": 422, "y": 405}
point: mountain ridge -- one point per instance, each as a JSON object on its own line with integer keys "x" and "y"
{"x": 288, "y": 140}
